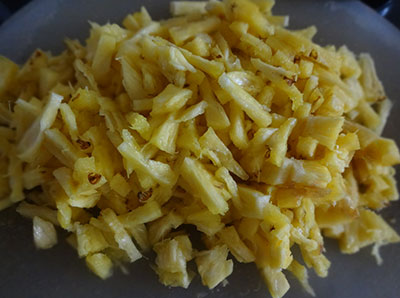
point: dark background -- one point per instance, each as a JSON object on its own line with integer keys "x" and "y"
{"x": 387, "y": 8}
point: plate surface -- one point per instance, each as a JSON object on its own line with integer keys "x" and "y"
{"x": 26, "y": 272}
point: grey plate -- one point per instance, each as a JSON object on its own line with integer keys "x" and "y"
{"x": 26, "y": 272}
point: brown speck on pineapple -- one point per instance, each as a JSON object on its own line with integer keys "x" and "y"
{"x": 296, "y": 59}
{"x": 314, "y": 54}
{"x": 268, "y": 153}
{"x": 289, "y": 81}
{"x": 143, "y": 196}
{"x": 83, "y": 144}
{"x": 381, "y": 98}
{"x": 321, "y": 249}
{"x": 93, "y": 178}
{"x": 75, "y": 97}
{"x": 362, "y": 188}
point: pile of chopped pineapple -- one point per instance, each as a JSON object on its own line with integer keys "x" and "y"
{"x": 220, "y": 118}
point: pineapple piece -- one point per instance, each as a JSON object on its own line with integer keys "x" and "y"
{"x": 278, "y": 142}
{"x": 283, "y": 80}
{"x": 248, "y": 228}
{"x": 237, "y": 131}
{"x": 170, "y": 99}
{"x": 59, "y": 146}
{"x": 350, "y": 66}
{"x": 8, "y": 72}
{"x": 15, "y": 180}
{"x": 213, "y": 147}
{"x": 310, "y": 173}
{"x": 276, "y": 227}
{"x": 324, "y": 129}
{"x": 69, "y": 120}
{"x": 89, "y": 240}
{"x": 223, "y": 175}
{"x": 246, "y": 102}
{"x": 134, "y": 160}
{"x": 230, "y": 237}
{"x": 249, "y": 43}
{"x": 276, "y": 281}
{"x": 141, "y": 236}
{"x": 31, "y": 141}
{"x": 193, "y": 111}
{"x": 164, "y": 137}
{"x": 370, "y": 82}
{"x": 48, "y": 78}
{"x": 306, "y": 68}
{"x": 132, "y": 81}
{"x": 253, "y": 157}
{"x": 120, "y": 185}
{"x": 252, "y": 202}
{"x": 45, "y": 213}
{"x": 215, "y": 114}
{"x": 274, "y": 175}
{"x": 143, "y": 214}
{"x": 161, "y": 227}
{"x": 180, "y": 34}
{"x": 200, "y": 45}
{"x": 367, "y": 116}
{"x": 211, "y": 67}
{"x": 84, "y": 99}
{"x": 64, "y": 213}
{"x": 139, "y": 123}
{"x": 188, "y": 138}
{"x": 205, "y": 222}
{"x": 180, "y": 8}
{"x": 172, "y": 256}
{"x": 300, "y": 272}
{"x": 213, "y": 266}
{"x": 100, "y": 264}
{"x": 248, "y": 12}
{"x": 103, "y": 56}
{"x": 81, "y": 185}
{"x": 383, "y": 151}
{"x": 202, "y": 184}
{"x": 251, "y": 83}
{"x": 369, "y": 228}
{"x": 306, "y": 147}
{"x": 44, "y": 233}
{"x": 120, "y": 235}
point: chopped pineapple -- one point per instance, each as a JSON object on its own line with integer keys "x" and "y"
{"x": 213, "y": 266}
{"x": 100, "y": 264}
{"x": 44, "y": 233}
{"x": 219, "y": 119}
{"x": 89, "y": 240}
{"x": 172, "y": 255}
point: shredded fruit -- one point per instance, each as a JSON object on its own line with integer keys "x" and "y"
{"x": 220, "y": 118}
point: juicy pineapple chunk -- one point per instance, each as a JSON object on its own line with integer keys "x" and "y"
{"x": 205, "y": 222}
{"x": 324, "y": 129}
{"x": 120, "y": 235}
{"x": 7, "y": 74}
{"x": 213, "y": 266}
{"x": 236, "y": 246}
{"x": 172, "y": 256}
{"x": 369, "y": 228}
{"x": 202, "y": 184}
{"x": 100, "y": 264}
{"x": 89, "y": 240}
